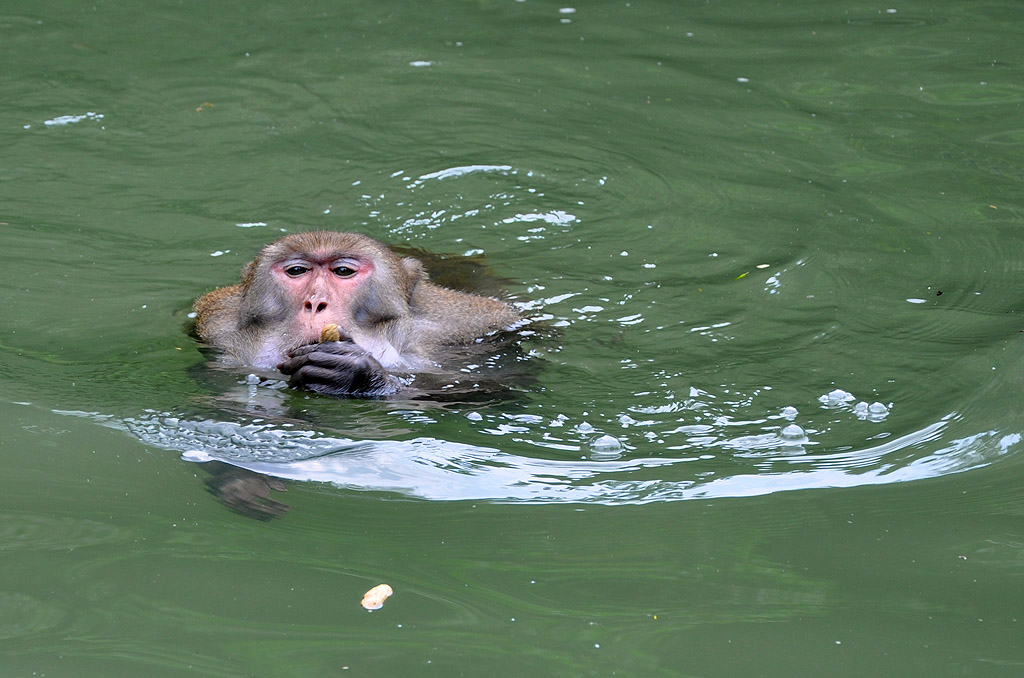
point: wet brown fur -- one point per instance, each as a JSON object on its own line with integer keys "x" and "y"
{"x": 397, "y": 304}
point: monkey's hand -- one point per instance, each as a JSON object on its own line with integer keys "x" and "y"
{"x": 248, "y": 493}
{"x": 339, "y": 368}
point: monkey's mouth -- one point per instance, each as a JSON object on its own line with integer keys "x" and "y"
{"x": 330, "y": 332}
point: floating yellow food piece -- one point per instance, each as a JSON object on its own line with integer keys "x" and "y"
{"x": 375, "y": 597}
{"x": 331, "y": 333}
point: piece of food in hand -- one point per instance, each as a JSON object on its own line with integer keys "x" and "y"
{"x": 330, "y": 333}
{"x": 375, "y": 597}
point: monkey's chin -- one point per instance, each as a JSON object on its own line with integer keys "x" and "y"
{"x": 271, "y": 354}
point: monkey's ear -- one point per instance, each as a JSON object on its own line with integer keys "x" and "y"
{"x": 415, "y": 274}
{"x": 249, "y": 272}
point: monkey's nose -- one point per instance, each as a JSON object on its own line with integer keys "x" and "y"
{"x": 320, "y": 306}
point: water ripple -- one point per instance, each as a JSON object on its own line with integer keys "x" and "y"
{"x": 22, "y": 615}
{"x": 435, "y": 469}
{"x": 46, "y": 533}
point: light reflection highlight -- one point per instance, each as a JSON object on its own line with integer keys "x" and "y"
{"x": 434, "y": 469}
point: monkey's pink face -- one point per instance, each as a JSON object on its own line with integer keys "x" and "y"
{"x": 319, "y": 288}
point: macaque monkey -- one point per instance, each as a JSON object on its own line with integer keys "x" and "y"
{"x": 392, "y": 319}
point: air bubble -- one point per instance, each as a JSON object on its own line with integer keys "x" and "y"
{"x": 876, "y": 411}
{"x": 605, "y": 447}
{"x": 793, "y": 434}
{"x": 836, "y": 398}
{"x": 606, "y": 444}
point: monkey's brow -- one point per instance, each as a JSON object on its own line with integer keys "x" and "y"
{"x": 319, "y": 257}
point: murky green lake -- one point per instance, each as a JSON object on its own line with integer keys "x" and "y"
{"x": 773, "y": 427}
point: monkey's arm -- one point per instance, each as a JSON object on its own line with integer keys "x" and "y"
{"x": 339, "y": 368}
{"x": 245, "y": 491}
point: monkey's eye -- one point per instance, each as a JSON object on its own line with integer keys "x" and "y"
{"x": 295, "y": 271}
{"x": 343, "y": 271}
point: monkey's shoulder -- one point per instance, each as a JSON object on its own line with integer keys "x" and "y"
{"x": 446, "y": 316}
{"x": 213, "y": 311}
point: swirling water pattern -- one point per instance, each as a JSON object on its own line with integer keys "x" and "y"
{"x": 771, "y": 253}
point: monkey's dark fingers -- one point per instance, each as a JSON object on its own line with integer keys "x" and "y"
{"x": 309, "y": 348}
{"x": 333, "y": 354}
{"x": 352, "y": 360}
{"x": 311, "y": 359}
{"x": 344, "y": 382}
{"x": 309, "y": 376}
{"x": 292, "y": 365}
{"x": 338, "y": 347}
{"x": 338, "y": 368}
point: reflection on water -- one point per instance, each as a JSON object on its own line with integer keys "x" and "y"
{"x": 430, "y": 468}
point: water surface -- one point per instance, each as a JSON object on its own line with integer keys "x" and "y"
{"x": 771, "y": 429}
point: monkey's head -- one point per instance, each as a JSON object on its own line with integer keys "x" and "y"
{"x": 305, "y": 281}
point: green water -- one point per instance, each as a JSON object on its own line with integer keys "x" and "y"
{"x": 723, "y": 211}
